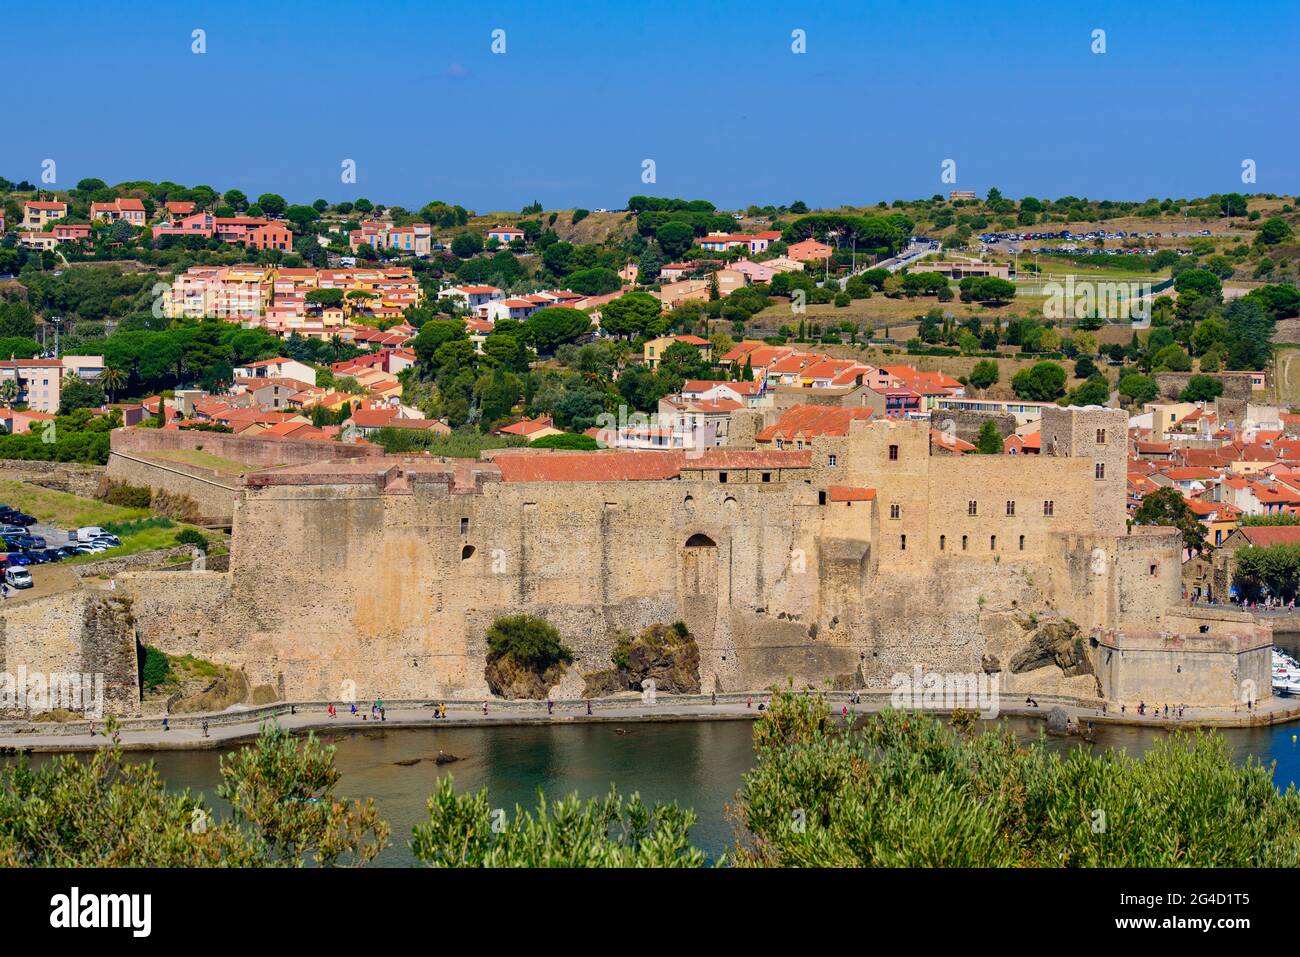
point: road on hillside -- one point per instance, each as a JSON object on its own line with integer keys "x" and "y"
{"x": 911, "y": 254}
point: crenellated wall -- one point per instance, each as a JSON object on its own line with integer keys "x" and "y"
{"x": 385, "y": 575}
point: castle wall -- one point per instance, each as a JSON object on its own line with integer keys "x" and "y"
{"x": 213, "y": 494}
{"x": 1213, "y": 670}
{"x": 77, "y": 631}
{"x": 389, "y": 579}
{"x": 253, "y": 450}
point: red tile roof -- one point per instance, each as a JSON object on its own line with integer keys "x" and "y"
{"x": 849, "y": 493}
{"x": 806, "y": 421}
{"x": 1263, "y": 535}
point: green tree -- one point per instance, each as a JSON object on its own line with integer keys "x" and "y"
{"x": 984, "y": 374}
{"x": 1201, "y": 388}
{"x": 636, "y": 314}
{"x": 552, "y": 327}
{"x": 110, "y": 812}
{"x": 1272, "y": 570}
{"x": 989, "y": 440}
{"x": 272, "y": 204}
{"x": 566, "y": 833}
{"x": 1166, "y": 506}
{"x": 466, "y": 245}
{"x": 1272, "y": 231}
{"x": 1094, "y": 391}
{"x": 75, "y": 394}
{"x": 1041, "y": 382}
{"x": 903, "y": 789}
{"x": 1250, "y": 333}
{"x": 529, "y": 641}
{"x": 567, "y": 441}
{"x": 674, "y": 239}
{"x": 1137, "y": 388}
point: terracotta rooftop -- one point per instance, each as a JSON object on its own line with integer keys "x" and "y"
{"x": 613, "y": 465}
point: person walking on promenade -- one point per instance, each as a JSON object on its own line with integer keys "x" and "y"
{"x": 330, "y": 710}
{"x": 382, "y": 715}
{"x": 588, "y": 706}
{"x": 713, "y": 697}
{"x": 205, "y": 727}
{"x": 166, "y": 726}
{"x": 550, "y": 706}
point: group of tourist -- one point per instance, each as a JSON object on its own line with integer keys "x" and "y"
{"x": 376, "y": 711}
{"x": 1177, "y": 710}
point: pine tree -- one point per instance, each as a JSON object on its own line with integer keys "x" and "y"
{"x": 989, "y": 441}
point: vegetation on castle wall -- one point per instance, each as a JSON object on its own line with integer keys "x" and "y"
{"x": 525, "y": 657}
{"x": 666, "y": 655}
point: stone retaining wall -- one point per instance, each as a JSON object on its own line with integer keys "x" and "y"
{"x": 212, "y": 492}
{"x": 69, "y": 477}
{"x": 252, "y": 450}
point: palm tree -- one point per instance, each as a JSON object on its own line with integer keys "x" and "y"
{"x": 112, "y": 379}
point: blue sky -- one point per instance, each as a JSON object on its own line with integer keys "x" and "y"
{"x": 708, "y": 89}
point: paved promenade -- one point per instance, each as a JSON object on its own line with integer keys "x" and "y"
{"x": 230, "y": 728}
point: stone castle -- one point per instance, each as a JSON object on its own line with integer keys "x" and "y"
{"x": 839, "y": 564}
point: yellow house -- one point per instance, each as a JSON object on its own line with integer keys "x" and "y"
{"x": 37, "y": 214}
{"x": 654, "y": 349}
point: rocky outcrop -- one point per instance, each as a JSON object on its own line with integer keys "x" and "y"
{"x": 506, "y": 678}
{"x": 667, "y": 655}
{"x": 1059, "y": 643}
{"x": 1058, "y": 722}
{"x": 229, "y": 687}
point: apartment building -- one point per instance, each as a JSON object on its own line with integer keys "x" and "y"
{"x": 238, "y": 230}
{"x": 38, "y": 381}
{"x": 123, "y": 209}
{"x": 37, "y": 214}
{"x": 415, "y": 240}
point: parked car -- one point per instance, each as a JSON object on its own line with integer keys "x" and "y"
{"x": 66, "y": 551}
{"x": 88, "y": 548}
{"x": 31, "y": 541}
{"x": 18, "y": 578}
{"x": 18, "y": 558}
{"x": 53, "y": 555}
{"x": 17, "y": 518}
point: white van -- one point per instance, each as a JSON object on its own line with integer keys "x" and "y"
{"x": 18, "y": 578}
{"x": 87, "y": 533}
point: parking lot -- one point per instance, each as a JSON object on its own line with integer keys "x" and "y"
{"x": 47, "y": 576}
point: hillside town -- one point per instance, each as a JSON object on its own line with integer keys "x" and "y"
{"x": 636, "y": 438}
{"x": 361, "y": 325}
